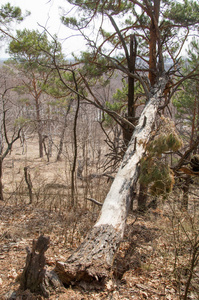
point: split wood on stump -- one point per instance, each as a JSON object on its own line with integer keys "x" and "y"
{"x": 92, "y": 261}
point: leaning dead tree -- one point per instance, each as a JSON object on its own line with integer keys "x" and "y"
{"x": 92, "y": 261}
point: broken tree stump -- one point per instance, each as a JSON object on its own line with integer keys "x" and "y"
{"x": 35, "y": 277}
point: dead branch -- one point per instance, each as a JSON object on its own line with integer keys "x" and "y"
{"x": 95, "y": 201}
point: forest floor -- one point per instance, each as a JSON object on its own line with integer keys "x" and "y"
{"x": 154, "y": 258}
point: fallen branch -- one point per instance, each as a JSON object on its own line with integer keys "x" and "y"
{"x": 95, "y": 201}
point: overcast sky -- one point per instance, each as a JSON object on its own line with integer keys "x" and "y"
{"x": 47, "y": 13}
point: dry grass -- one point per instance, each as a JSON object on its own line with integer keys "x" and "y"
{"x": 154, "y": 258}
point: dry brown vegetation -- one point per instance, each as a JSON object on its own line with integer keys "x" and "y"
{"x": 154, "y": 260}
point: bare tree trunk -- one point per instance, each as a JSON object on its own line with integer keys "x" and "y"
{"x": 29, "y": 183}
{"x": 94, "y": 258}
{"x": 73, "y": 201}
{"x": 61, "y": 142}
{"x": 128, "y": 131}
{"x": 41, "y": 154}
{"x": 39, "y": 127}
{"x": 185, "y": 189}
{"x": 142, "y": 198}
{"x": 1, "y": 184}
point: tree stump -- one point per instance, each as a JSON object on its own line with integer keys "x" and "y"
{"x": 35, "y": 277}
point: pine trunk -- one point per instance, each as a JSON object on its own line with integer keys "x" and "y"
{"x": 93, "y": 259}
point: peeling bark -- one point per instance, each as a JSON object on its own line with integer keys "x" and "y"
{"x": 92, "y": 261}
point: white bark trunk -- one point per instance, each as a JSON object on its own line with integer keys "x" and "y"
{"x": 94, "y": 258}
{"x": 115, "y": 208}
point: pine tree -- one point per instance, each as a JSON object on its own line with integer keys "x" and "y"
{"x": 31, "y": 55}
